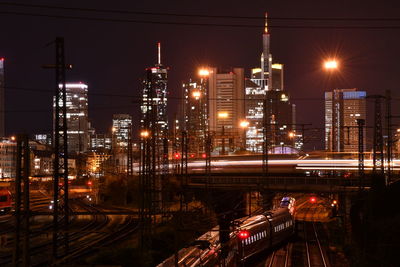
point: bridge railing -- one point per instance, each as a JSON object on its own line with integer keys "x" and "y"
{"x": 276, "y": 180}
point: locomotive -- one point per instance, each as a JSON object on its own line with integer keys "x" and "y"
{"x": 5, "y": 201}
{"x": 263, "y": 231}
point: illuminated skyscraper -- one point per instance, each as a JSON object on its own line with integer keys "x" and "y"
{"x": 342, "y": 109}
{"x": 77, "y": 117}
{"x": 2, "y": 127}
{"x": 266, "y": 87}
{"x": 195, "y": 115}
{"x": 154, "y": 101}
{"x": 226, "y": 106}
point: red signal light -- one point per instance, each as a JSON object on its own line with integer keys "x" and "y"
{"x": 243, "y": 234}
{"x": 177, "y": 156}
{"x": 192, "y": 155}
{"x": 204, "y": 155}
{"x": 313, "y": 199}
{"x": 89, "y": 183}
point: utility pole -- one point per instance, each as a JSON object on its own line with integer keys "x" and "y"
{"x": 129, "y": 161}
{"x": 360, "y": 123}
{"x": 265, "y": 142}
{"x": 22, "y": 208}
{"x": 389, "y": 135}
{"x": 378, "y": 156}
{"x": 60, "y": 141}
{"x": 184, "y": 165}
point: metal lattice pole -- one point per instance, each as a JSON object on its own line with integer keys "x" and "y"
{"x": 265, "y": 142}
{"x": 22, "y": 206}
{"x": 389, "y": 134}
{"x": 360, "y": 123}
{"x": 60, "y": 205}
{"x": 378, "y": 156}
{"x": 129, "y": 164}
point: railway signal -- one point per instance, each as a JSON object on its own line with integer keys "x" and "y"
{"x": 334, "y": 206}
{"x": 313, "y": 199}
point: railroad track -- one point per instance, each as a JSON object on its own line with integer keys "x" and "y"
{"x": 40, "y": 250}
{"x": 315, "y": 254}
{"x": 280, "y": 257}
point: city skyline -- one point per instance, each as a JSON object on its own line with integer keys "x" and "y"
{"x": 304, "y": 77}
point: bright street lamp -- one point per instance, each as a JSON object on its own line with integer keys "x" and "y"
{"x": 244, "y": 124}
{"x": 204, "y": 72}
{"x": 331, "y": 64}
{"x": 144, "y": 134}
{"x": 196, "y": 94}
{"x": 222, "y": 115}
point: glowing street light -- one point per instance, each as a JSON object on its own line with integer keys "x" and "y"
{"x": 222, "y": 115}
{"x": 144, "y": 134}
{"x": 291, "y": 134}
{"x": 196, "y": 94}
{"x": 204, "y": 72}
{"x": 331, "y": 64}
{"x": 244, "y": 124}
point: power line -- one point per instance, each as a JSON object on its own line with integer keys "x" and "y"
{"x": 98, "y": 19}
{"x": 115, "y": 11}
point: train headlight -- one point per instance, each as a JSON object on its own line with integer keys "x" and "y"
{"x": 243, "y": 234}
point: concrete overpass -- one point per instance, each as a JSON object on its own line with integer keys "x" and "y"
{"x": 281, "y": 182}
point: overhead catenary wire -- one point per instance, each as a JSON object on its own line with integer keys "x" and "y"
{"x": 177, "y": 23}
{"x": 193, "y": 15}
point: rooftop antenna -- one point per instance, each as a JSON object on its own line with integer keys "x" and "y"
{"x": 266, "y": 23}
{"x": 159, "y": 53}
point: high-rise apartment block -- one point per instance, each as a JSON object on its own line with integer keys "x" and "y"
{"x": 77, "y": 117}
{"x": 342, "y": 109}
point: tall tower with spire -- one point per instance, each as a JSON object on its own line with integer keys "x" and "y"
{"x": 266, "y": 58}
{"x": 265, "y": 95}
{"x": 154, "y": 101}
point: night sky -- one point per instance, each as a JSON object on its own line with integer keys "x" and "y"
{"x": 111, "y": 56}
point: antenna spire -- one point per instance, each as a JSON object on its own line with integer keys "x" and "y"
{"x": 159, "y": 53}
{"x": 266, "y": 23}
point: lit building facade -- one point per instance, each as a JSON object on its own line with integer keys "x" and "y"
{"x": 100, "y": 142}
{"x": 342, "y": 109}
{"x": 77, "y": 117}
{"x": 121, "y": 131}
{"x": 7, "y": 158}
{"x": 195, "y": 115}
{"x": 43, "y": 139}
{"x": 226, "y": 107}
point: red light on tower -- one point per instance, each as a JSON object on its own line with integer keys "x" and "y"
{"x": 313, "y": 199}
{"x": 243, "y": 234}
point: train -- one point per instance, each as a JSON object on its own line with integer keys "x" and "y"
{"x": 5, "y": 201}
{"x": 248, "y": 237}
{"x": 262, "y": 232}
